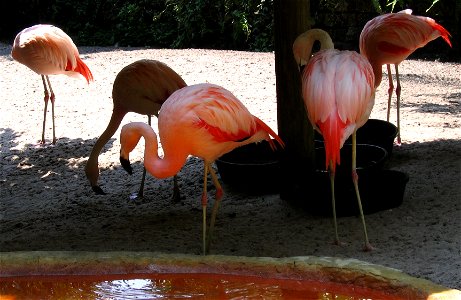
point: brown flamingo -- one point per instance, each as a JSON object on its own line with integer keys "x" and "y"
{"x": 140, "y": 87}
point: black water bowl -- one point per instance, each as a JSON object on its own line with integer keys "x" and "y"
{"x": 378, "y": 191}
{"x": 252, "y": 168}
{"x": 369, "y": 159}
{"x": 374, "y": 132}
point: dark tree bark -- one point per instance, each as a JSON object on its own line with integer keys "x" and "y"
{"x": 291, "y": 18}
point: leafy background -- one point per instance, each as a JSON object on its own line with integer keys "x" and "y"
{"x": 223, "y": 24}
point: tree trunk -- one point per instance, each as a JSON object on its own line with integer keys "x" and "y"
{"x": 291, "y": 18}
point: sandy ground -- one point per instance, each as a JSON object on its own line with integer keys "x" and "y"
{"x": 46, "y": 202}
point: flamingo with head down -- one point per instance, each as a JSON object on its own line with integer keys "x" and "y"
{"x": 140, "y": 87}
{"x": 203, "y": 120}
{"x": 338, "y": 92}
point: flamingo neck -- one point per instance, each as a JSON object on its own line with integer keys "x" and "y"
{"x": 302, "y": 46}
{"x": 165, "y": 167}
{"x": 378, "y": 71}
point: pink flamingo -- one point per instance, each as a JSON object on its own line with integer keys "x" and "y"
{"x": 140, "y": 87}
{"x": 338, "y": 92}
{"x": 390, "y": 39}
{"x": 47, "y": 50}
{"x": 203, "y": 120}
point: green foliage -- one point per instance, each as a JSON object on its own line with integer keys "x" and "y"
{"x": 226, "y": 24}
{"x": 223, "y": 24}
{"x": 399, "y": 3}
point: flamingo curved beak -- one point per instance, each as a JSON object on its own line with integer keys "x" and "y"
{"x": 126, "y": 165}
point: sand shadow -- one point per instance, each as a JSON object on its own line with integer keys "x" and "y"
{"x": 76, "y": 219}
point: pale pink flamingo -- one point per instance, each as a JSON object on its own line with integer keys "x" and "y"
{"x": 47, "y": 50}
{"x": 203, "y": 120}
{"x": 140, "y": 87}
{"x": 390, "y": 39}
{"x": 338, "y": 92}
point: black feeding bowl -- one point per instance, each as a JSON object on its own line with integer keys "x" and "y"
{"x": 380, "y": 189}
{"x": 373, "y": 132}
{"x": 252, "y": 168}
{"x": 369, "y": 159}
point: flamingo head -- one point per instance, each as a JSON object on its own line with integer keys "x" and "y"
{"x": 129, "y": 138}
{"x": 302, "y": 46}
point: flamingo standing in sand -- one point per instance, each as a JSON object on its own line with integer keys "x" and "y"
{"x": 203, "y": 120}
{"x": 140, "y": 87}
{"x": 390, "y": 39}
{"x": 47, "y": 50}
{"x": 338, "y": 92}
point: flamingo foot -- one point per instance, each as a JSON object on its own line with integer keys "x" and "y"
{"x": 98, "y": 190}
{"x": 368, "y": 247}
{"x": 337, "y": 242}
{"x": 135, "y": 196}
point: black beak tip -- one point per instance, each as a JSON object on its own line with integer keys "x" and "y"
{"x": 126, "y": 165}
{"x": 98, "y": 190}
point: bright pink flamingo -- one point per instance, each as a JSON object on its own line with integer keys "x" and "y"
{"x": 338, "y": 92}
{"x": 203, "y": 120}
{"x": 47, "y": 50}
{"x": 390, "y": 39}
{"x": 140, "y": 87}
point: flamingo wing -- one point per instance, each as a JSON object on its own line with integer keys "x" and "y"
{"x": 395, "y": 36}
{"x": 213, "y": 108}
{"x": 224, "y": 116}
{"x": 338, "y": 91}
{"x": 48, "y": 50}
{"x": 338, "y": 81}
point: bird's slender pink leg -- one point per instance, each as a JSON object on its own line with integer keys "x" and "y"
{"x": 52, "y": 97}
{"x": 333, "y": 202}
{"x": 397, "y": 92}
{"x": 204, "y": 204}
{"x": 389, "y": 91}
{"x": 46, "y": 99}
{"x": 355, "y": 179}
{"x": 219, "y": 195}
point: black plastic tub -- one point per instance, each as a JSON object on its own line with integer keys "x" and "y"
{"x": 252, "y": 168}
{"x": 378, "y": 191}
{"x": 374, "y": 132}
{"x": 369, "y": 159}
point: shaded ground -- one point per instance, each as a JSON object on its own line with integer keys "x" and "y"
{"x": 47, "y": 204}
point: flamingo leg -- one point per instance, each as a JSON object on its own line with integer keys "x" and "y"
{"x": 176, "y": 194}
{"x": 355, "y": 179}
{"x": 333, "y": 202}
{"x": 52, "y": 97}
{"x": 219, "y": 195}
{"x": 390, "y": 90}
{"x": 46, "y": 99}
{"x": 143, "y": 178}
{"x": 397, "y": 92}
{"x": 204, "y": 204}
